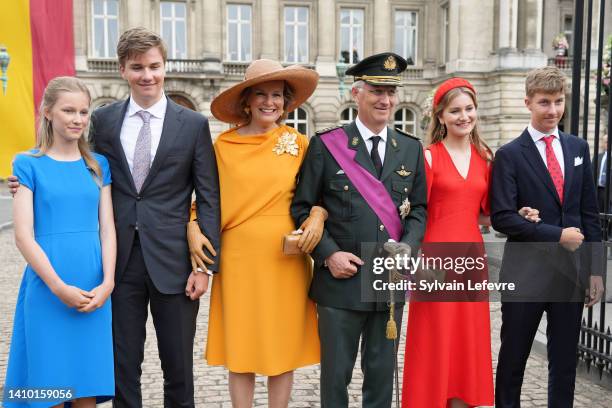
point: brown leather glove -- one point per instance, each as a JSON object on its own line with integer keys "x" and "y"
{"x": 196, "y": 241}
{"x": 313, "y": 229}
{"x": 13, "y": 184}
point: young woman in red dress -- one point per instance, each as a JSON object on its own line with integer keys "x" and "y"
{"x": 448, "y": 344}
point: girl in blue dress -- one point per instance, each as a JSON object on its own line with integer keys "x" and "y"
{"x": 61, "y": 350}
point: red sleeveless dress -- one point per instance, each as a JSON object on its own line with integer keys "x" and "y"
{"x": 448, "y": 344}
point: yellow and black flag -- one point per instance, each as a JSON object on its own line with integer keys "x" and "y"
{"x": 36, "y": 45}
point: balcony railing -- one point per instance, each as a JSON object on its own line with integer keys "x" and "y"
{"x": 103, "y": 65}
{"x": 564, "y": 63}
{"x": 237, "y": 69}
{"x": 412, "y": 73}
{"x": 199, "y": 66}
{"x": 179, "y": 66}
{"x": 184, "y": 66}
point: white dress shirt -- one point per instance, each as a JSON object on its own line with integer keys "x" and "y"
{"x": 366, "y": 134}
{"x": 132, "y": 123}
{"x": 537, "y": 136}
{"x": 601, "y": 180}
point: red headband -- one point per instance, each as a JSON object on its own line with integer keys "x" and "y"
{"x": 447, "y": 86}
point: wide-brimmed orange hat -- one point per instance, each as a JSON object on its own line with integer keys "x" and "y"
{"x": 303, "y": 81}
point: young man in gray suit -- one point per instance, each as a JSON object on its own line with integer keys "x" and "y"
{"x": 158, "y": 153}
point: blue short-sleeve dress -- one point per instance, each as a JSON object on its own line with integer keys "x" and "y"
{"x": 53, "y": 346}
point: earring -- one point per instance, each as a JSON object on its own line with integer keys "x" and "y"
{"x": 442, "y": 131}
{"x": 247, "y": 110}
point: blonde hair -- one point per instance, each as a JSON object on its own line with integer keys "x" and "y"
{"x": 137, "y": 41}
{"x": 44, "y": 133}
{"x": 436, "y": 132}
{"x": 246, "y": 94}
{"x": 548, "y": 80}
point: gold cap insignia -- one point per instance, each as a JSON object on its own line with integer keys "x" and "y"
{"x": 390, "y": 63}
{"x": 355, "y": 141}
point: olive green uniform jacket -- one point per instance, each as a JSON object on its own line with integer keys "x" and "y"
{"x": 351, "y": 221}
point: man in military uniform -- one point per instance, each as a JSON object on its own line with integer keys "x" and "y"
{"x": 371, "y": 180}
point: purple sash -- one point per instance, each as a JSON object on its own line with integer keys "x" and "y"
{"x": 370, "y": 188}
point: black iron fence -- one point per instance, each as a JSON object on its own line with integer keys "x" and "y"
{"x": 596, "y": 336}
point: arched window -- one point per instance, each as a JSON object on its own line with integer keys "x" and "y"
{"x": 348, "y": 115}
{"x": 100, "y": 103}
{"x": 298, "y": 119}
{"x": 183, "y": 101}
{"x": 405, "y": 119}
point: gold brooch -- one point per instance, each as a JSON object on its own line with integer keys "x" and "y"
{"x": 355, "y": 141}
{"x": 402, "y": 172}
{"x": 390, "y": 63}
{"x": 404, "y": 209}
{"x": 286, "y": 143}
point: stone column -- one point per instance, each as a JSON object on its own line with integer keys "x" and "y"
{"x": 140, "y": 14}
{"x": 514, "y": 24}
{"x": 471, "y": 35}
{"x": 326, "y": 43}
{"x": 208, "y": 37}
{"x": 212, "y": 28}
{"x": 528, "y": 54}
{"x": 382, "y": 26}
{"x": 507, "y": 23}
{"x": 81, "y": 36}
{"x": 270, "y": 24}
{"x": 533, "y": 24}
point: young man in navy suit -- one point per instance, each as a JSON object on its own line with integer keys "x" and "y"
{"x": 551, "y": 171}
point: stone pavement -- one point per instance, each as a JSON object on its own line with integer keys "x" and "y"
{"x": 211, "y": 382}
{"x": 6, "y": 210}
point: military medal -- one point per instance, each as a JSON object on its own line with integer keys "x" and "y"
{"x": 402, "y": 172}
{"x": 390, "y": 63}
{"x": 286, "y": 143}
{"x": 404, "y": 209}
{"x": 355, "y": 141}
{"x": 394, "y": 142}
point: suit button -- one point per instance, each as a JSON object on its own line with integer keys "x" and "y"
{"x": 382, "y": 227}
{"x": 136, "y": 226}
{"x": 138, "y": 198}
{"x": 405, "y": 189}
{"x": 345, "y": 188}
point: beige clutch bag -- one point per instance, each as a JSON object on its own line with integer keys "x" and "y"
{"x": 290, "y": 243}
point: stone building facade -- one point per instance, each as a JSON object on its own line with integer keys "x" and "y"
{"x": 491, "y": 42}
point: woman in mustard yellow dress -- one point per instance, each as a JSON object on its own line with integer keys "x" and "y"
{"x": 261, "y": 319}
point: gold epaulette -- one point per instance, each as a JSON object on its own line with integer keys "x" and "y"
{"x": 329, "y": 129}
{"x": 400, "y": 131}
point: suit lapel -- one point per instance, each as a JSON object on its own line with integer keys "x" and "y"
{"x": 568, "y": 159}
{"x": 116, "y": 141}
{"x": 356, "y": 142}
{"x": 170, "y": 131}
{"x": 392, "y": 158}
{"x": 532, "y": 156}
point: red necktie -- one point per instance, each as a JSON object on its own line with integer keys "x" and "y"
{"x": 553, "y": 166}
